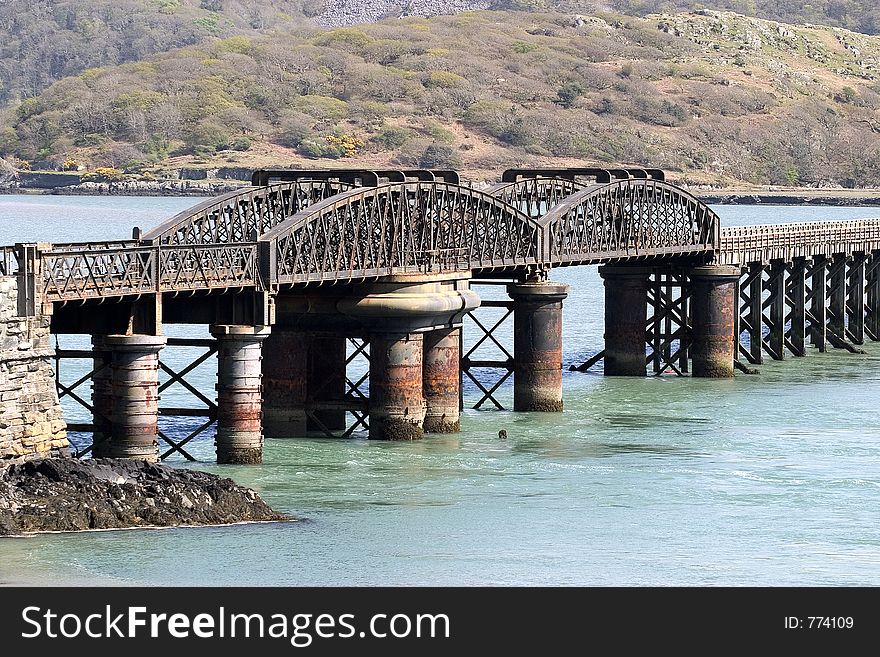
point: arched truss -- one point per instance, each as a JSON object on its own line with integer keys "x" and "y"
{"x": 535, "y": 196}
{"x": 396, "y": 229}
{"x": 627, "y": 219}
{"x": 301, "y": 232}
{"x": 243, "y": 215}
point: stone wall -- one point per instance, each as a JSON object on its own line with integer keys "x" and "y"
{"x": 31, "y": 422}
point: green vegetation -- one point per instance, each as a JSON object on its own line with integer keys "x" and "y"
{"x": 710, "y": 97}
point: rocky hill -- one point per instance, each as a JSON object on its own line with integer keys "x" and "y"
{"x": 712, "y": 97}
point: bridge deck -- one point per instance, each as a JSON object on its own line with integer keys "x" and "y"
{"x": 329, "y": 231}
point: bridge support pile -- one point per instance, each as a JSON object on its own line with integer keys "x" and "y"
{"x": 441, "y": 379}
{"x": 821, "y": 300}
{"x": 713, "y": 337}
{"x": 102, "y": 397}
{"x": 284, "y": 383}
{"x": 397, "y": 403}
{"x": 626, "y": 299}
{"x": 135, "y": 376}
{"x": 537, "y": 345}
{"x": 239, "y": 393}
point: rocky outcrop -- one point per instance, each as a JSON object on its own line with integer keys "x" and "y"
{"x": 55, "y": 495}
{"x": 338, "y": 13}
{"x": 151, "y": 188}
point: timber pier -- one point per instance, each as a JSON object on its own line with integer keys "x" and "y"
{"x": 289, "y": 273}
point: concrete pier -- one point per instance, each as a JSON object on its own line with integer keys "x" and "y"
{"x": 714, "y": 308}
{"x": 397, "y": 404}
{"x": 537, "y": 345}
{"x": 626, "y": 308}
{"x": 135, "y": 374}
{"x": 239, "y": 393}
{"x": 285, "y": 365}
{"x": 441, "y": 380}
{"x": 102, "y": 397}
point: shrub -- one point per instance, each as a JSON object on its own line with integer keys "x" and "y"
{"x": 569, "y": 93}
{"x": 523, "y": 47}
{"x": 443, "y": 79}
{"x": 439, "y": 156}
{"x": 242, "y": 144}
{"x": 391, "y": 137}
{"x": 347, "y": 145}
{"x": 104, "y": 174}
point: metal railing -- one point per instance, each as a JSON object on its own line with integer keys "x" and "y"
{"x": 419, "y": 227}
{"x": 744, "y": 244}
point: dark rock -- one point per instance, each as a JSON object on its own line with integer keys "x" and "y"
{"x": 74, "y": 495}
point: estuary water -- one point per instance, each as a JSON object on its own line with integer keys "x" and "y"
{"x": 761, "y": 480}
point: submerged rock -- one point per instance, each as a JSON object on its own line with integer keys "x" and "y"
{"x": 73, "y": 495}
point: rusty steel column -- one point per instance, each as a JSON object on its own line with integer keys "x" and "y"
{"x": 285, "y": 358}
{"x": 441, "y": 380}
{"x": 397, "y": 403}
{"x": 239, "y": 394}
{"x": 713, "y": 304}
{"x": 325, "y": 379}
{"x": 135, "y": 374}
{"x": 626, "y": 315}
{"x": 537, "y": 345}
{"x": 102, "y": 398}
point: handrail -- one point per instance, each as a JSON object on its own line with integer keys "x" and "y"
{"x": 740, "y": 244}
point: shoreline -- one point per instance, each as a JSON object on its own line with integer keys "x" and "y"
{"x": 785, "y": 197}
{"x": 50, "y": 532}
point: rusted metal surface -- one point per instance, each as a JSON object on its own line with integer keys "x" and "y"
{"x": 326, "y": 381}
{"x": 626, "y": 299}
{"x": 537, "y": 345}
{"x": 135, "y": 372}
{"x": 872, "y": 297}
{"x": 242, "y": 215}
{"x": 102, "y": 397}
{"x": 627, "y": 220}
{"x": 713, "y": 303}
{"x": 669, "y": 322}
{"x": 820, "y": 300}
{"x": 73, "y": 275}
{"x": 354, "y": 177}
{"x": 397, "y": 403}
{"x": 398, "y": 229}
{"x": 441, "y": 379}
{"x": 489, "y": 353}
{"x": 599, "y": 175}
{"x": 100, "y": 406}
{"x": 239, "y": 393}
{"x": 285, "y": 375}
{"x": 534, "y": 196}
{"x": 312, "y": 231}
{"x": 745, "y": 244}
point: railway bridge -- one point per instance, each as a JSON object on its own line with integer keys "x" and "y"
{"x": 289, "y": 271}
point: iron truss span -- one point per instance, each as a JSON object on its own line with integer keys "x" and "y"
{"x": 243, "y": 215}
{"x": 339, "y": 229}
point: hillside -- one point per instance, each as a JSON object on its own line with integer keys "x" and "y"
{"x": 42, "y": 41}
{"x": 714, "y": 98}
{"x": 857, "y": 15}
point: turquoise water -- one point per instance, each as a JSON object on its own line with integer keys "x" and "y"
{"x": 761, "y": 480}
